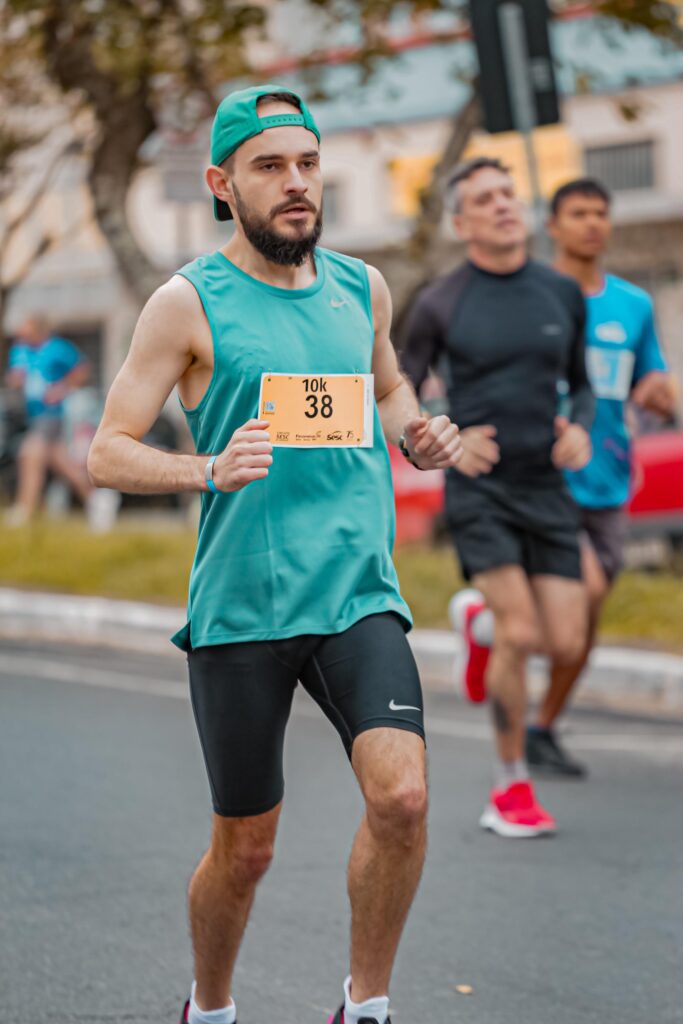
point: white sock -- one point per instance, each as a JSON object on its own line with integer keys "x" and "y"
{"x": 509, "y": 772}
{"x": 376, "y": 1008}
{"x": 228, "y": 1015}
{"x": 482, "y": 627}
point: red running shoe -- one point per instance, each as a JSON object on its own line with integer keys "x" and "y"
{"x": 516, "y": 814}
{"x": 463, "y": 609}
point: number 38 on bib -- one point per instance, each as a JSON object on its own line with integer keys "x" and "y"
{"x": 333, "y": 410}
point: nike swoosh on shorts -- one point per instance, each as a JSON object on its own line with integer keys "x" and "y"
{"x": 393, "y": 706}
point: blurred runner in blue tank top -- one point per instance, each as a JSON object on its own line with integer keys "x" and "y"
{"x": 625, "y": 364}
{"x": 46, "y": 369}
{"x": 293, "y": 578}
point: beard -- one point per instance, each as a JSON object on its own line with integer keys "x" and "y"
{"x": 273, "y": 246}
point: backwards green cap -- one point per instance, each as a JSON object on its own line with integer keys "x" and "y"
{"x": 237, "y": 120}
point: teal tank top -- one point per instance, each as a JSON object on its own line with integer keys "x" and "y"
{"x": 308, "y": 549}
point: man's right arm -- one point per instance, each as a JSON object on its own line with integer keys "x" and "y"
{"x": 160, "y": 353}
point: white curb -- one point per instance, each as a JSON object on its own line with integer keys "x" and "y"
{"x": 630, "y": 680}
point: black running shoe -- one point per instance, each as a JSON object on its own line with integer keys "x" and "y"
{"x": 338, "y": 1018}
{"x": 545, "y": 755}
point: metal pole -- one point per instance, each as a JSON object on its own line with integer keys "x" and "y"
{"x": 513, "y": 35}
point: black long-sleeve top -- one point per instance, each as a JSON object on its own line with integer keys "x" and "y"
{"x": 509, "y": 341}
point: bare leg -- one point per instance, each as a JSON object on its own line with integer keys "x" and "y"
{"x": 508, "y": 594}
{"x": 564, "y": 675}
{"x": 76, "y": 477}
{"x": 388, "y": 852}
{"x": 32, "y": 465}
{"x": 221, "y": 895}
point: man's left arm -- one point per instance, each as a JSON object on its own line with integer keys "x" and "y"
{"x": 654, "y": 388}
{"x": 433, "y": 443}
{"x": 573, "y": 448}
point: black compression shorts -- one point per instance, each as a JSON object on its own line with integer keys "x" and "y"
{"x": 242, "y": 693}
{"x": 494, "y": 523}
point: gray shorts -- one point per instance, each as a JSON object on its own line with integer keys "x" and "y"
{"x": 50, "y": 428}
{"x": 605, "y": 530}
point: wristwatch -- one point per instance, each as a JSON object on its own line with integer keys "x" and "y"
{"x": 403, "y": 448}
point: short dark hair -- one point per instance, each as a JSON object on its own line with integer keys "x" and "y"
{"x": 579, "y": 187}
{"x": 465, "y": 170}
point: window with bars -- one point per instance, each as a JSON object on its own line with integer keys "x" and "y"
{"x": 624, "y": 167}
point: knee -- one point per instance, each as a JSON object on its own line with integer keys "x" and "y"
{"x": 518, "y": 635}
{"x": 570, "y": 648}
{"x": 399, "y": 812}
{"x": 244, "y": 861}
{"x": 30, "y": 454}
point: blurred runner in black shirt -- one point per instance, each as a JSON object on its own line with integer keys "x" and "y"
{"x": 510, "y": 330}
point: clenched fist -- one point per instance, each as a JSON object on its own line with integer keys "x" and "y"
{"x": 481, "y": 452}
{"x": 433, "y": 443}
{"x": 573, "y": 448}
{"x": 247, "y": 457}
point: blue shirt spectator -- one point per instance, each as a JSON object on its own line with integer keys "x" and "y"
{"x": 43, "y": 365}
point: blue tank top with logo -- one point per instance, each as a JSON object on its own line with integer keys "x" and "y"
{"x": 308, "y": 549}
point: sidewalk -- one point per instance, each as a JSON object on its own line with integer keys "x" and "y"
{"x": 623, "y": 679}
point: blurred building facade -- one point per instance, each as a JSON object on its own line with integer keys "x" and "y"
{"x": 622, "y": 110}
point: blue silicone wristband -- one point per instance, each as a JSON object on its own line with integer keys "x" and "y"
{"x": 209, "y": 482}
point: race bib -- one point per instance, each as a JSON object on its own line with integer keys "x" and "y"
{"x": 333, "y": 410}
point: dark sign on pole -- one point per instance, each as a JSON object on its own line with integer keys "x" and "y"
{"x": 493, "y": 23}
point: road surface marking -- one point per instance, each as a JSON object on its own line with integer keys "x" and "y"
{"x": 659, "y": 748}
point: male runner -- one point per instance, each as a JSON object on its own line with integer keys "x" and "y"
{"x": 46, "y": 369}
{"x": 293, "y": 577}
{"x": 510, "y": 327}
{"x": 625, "y": 363}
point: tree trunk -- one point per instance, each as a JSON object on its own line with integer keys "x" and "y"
{"x": 124, "y": 126}
{"x": 420, "y": 248}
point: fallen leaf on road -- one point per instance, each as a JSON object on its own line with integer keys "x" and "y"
{"x": 464, "y": 990}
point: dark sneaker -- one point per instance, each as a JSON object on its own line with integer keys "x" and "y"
{"x": 338, "y": 1018}
{"x": 545, "y": 755}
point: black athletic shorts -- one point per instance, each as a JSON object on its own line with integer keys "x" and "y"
{"x": 242, "y": 693}
{"x": 605, "y": 530}
{"x": 496, "y": 522}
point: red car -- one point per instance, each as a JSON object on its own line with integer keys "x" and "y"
{"x": 655, "y": 509}
{"x": 656, "y": 505}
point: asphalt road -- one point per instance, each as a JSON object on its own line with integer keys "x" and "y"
{"x": 104, "y": 812}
